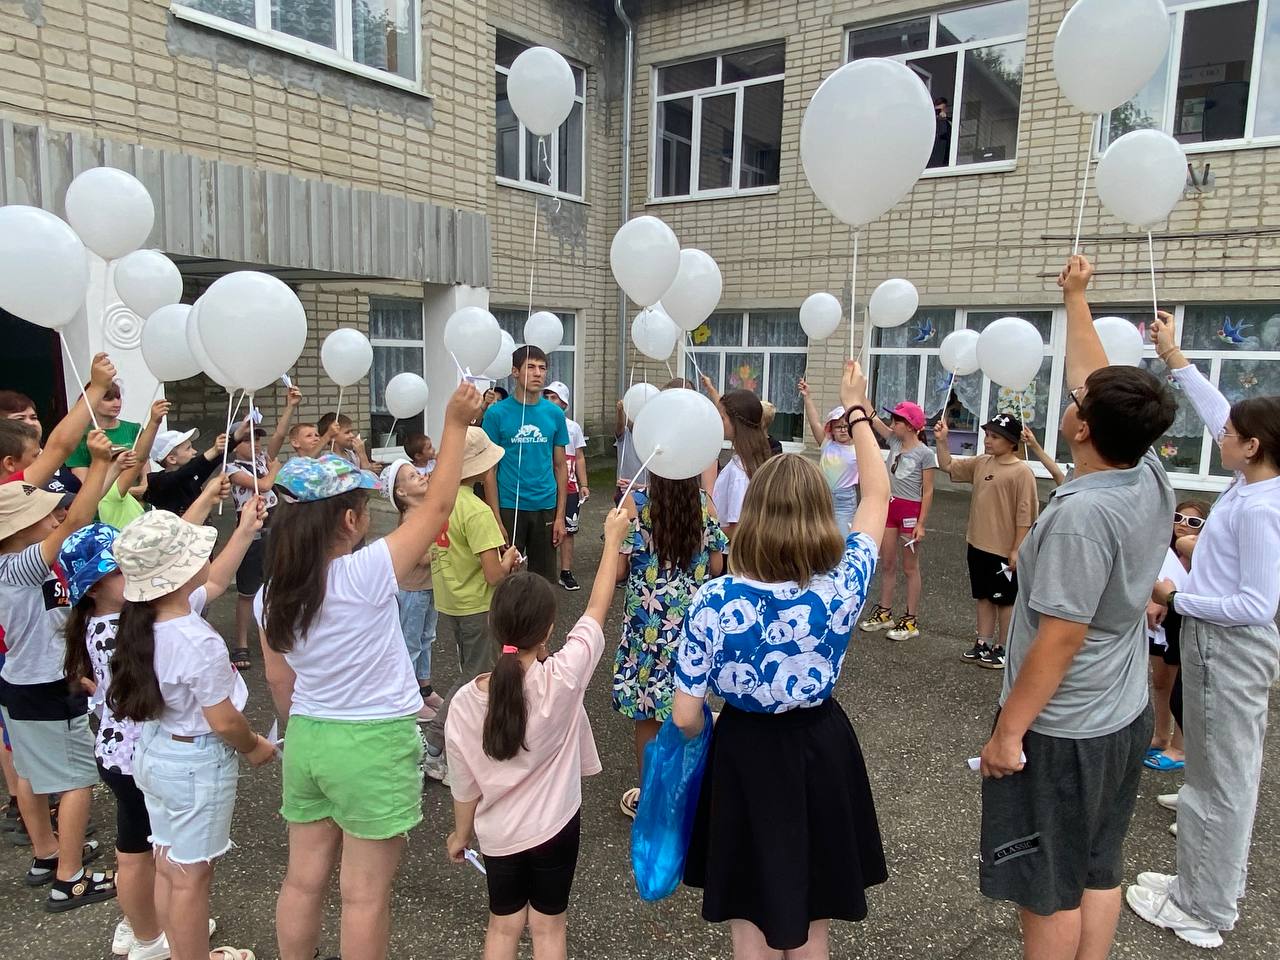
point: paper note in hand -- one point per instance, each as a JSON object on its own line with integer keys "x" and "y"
{"x": 975, "y": 763}
{"x": 1007, "y": 571}
{"x": 284, "y": 378}
{"x": 473, "y": 858}
{"x": 274, "y": 734}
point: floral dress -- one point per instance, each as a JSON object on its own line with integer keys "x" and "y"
{"x": 657, "y": 599}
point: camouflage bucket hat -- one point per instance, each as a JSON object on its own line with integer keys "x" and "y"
{"x": 159, "y": 552}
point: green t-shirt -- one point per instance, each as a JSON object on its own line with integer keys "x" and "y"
{"x": 119, "y": 509}
{"x": 123, "y": 434}
{"x": 456, "y": 573}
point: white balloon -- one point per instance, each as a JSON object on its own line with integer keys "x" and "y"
{"x": 1141, "y": 177}
{"x": 820, "y": 315}
{"x": 346, "y": 356}
{"x": 405, "y": 396}
{"x": 543, "y": 330}
{"x": 893, "y": 303}
{"x": 645, "y": 257}
{"x": 636, "y": 397}
{"x": 654, "y": 333}
{"x": 541, "y": 89}
{"x": 473, "y": 336}
{"x": 252, "y": 326}
{"x": 164, "y": 345}
{"x": 696, "y": 290}
{"x": 147, "y": 280}
{"x": 44, "y": 268}
{"x": 866, "y": 138}
{"x": 959, "y": 352}
{"x": 682, "y": 430}
{"x": 1107, "y": 50}
{"x": 1010, "y": 352}
{"x": 200, "y": 355}
{"x": 502, "y": 366}
{"x": 111, "y": 210}
{"x": 1121, "y": 341}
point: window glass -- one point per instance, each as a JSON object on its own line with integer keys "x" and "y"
{"x": 981, "y": 23}
{"x": 775, "y": 328}
{"x": 889, "y": 39}
{"x": 508, "y": 133}
{"x": 387, "y": 362}
{"x": 508, "y": 50}
{"x": 1030, "y": 405}
{"x": 395, "y": 320}
{"x": 1231, "y": 327}
{"x": 702, "y": 362}
{"x": 537, "y": 158}
{"x": 1179, "y": 448}
{"x": 992, "y": 95}
{"x": 744, "y": 371}
{"x": 693, "y": 75}
{"x": 382, "y": 34}
{"x": 675, "y": 153}
{"x": 1214, "y": 73}
{"x": 923, "y": 331}
{"x": 311, "y": 20}
{"x": 785, "y": 371}
{"x": 569, "y": 152}
{"x": 1042, "y": 320}
{"x": 237, "y": 11}
{"x": 558, "y": 157}
{"x": 939, "y": 75}
{"x": 761, "y": 135}
{"x": 715, "y": 153}
{"x": 751, "y": 64}
{"x": 719, "y": 330}
{"x": 1143, "y": 112}
{"x": 1266, "y": 120}
{"x": 560, "y": 363}
{"x": 895, "y": 378}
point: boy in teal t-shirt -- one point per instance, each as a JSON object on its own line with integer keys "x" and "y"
{"x": 533, "y": 475}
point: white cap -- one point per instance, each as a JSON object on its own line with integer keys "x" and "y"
{"x": 169, "y": 440}
{"x": 559, "y": 389}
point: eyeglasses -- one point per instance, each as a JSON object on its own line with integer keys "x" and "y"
{"x": 1072, "y": 398}
{"x": 1195, "y": 523}
{"x": 839, "y": 425}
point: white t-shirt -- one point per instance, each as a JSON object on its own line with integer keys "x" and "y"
{"x": 33, "y": 612}
{"x": 1175, "y": 571}
{"x": 730, "y": 490}
{"x": 353, "y": 663}
{"x": 242, "y": 495}
{"x": 577, "y": 440}
{"x": 194, "y": 671}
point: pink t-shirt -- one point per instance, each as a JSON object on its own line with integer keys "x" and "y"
{"x": 530, "y": 798}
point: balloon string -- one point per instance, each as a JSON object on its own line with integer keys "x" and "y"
{"x": 337, "y": 411}
{"x": 1084, "y": 193}
{"x": 542, "y": 155}
{"x": 1151, "y": 258}
{"x": 154, "y": 397}
{"x": 391, "y": 434}
{"x": 226, "y": 447}
{"x": 533, "y": 263}
{"x": 853, "y": 312}
{"x": 692, "y": 358}
{"x": 93, "y": 418}
{"x": 626, "y": 493}
{"x": 670, "y": 373}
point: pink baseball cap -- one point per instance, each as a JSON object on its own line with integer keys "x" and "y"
{"x": 909, "y": 412}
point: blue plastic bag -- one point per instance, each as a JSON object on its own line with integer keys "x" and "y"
{"x": 673, "y": 768}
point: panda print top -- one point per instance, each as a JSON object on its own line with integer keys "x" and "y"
{"x": 774, "y": 647}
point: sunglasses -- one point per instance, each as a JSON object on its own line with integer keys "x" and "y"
{"x": 1195, "y": 523}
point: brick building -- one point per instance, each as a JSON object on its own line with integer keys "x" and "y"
{"x": 366, "y": 153}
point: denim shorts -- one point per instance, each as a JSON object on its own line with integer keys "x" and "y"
{"x": 190, "y": 789}
{"x": 418, "y": 624}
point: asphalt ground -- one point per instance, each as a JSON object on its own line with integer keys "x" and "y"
{"x": 919, "y": 710}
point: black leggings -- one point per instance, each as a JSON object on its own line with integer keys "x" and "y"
{"x": 539, "y": 877}
{"x": 133, "y": 826}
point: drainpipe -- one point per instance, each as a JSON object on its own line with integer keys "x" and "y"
{"x": 627, "y": 93}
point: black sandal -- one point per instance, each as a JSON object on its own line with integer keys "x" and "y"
{"x": 240, "y": 658}
{"x": 90, "y": 888}
{"x": 45, "y": 869}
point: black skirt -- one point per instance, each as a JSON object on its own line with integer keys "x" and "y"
{"x": 786, "y": 829}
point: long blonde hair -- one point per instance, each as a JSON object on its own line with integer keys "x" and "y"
{"x": 787, "y": 530}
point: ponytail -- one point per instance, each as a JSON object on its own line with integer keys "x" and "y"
{"x": 520, "y": 617}
{"x": 750, "y": 442}
{"x": 135, "y": 692}
{"x": 77, "y": 663}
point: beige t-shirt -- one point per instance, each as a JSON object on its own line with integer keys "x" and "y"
{"x": 1004, "y": 498}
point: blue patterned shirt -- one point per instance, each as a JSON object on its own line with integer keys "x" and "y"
{"x": 774, "y": 647}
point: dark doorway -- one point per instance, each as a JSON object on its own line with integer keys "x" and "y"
{"x": 31, "y": 363}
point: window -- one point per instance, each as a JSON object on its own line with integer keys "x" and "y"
{"x": 561, "y": 363}
{"x": 1221, "y": 82}
{"x": 971, "y": 62}
{"x": 763, "y": 351}
{"x": 718, "y": 124}
{"x": 553, "y": 166}
{"x": 395, "y": 330}
{"x": 379, "y": 34}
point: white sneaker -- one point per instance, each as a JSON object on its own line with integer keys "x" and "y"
{"x": 1168, "y": 800}
{"x": 123, "y": 939}
{"x": 1158, "y": 910}
{"x": 437, "y": 767}
{"x": 158, "y": 949}
{"x": 1156, "y": 882}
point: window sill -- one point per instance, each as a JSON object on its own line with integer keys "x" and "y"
{"x": 298, "y": 48}
{"x": 540, "y": 190}
{"x": 1224, "y": 146}
{"x": 999, "y": 166}
{"x": 717, "y": 195}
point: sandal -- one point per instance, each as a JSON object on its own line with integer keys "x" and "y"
{"x": 45, "y": 869}
{"x": 231, "y": 953}
{"x": 240, "y": 658}
{"x": 1163, "y": 762}
{"x": 630, "y": 802}
{"x": 90, "y": 888}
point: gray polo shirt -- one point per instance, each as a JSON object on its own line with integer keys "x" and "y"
{"x": 1092, "y": 557}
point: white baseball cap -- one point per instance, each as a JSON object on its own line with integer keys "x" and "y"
{"x": 168, "y": 441}
{"x": 559, "y": 389}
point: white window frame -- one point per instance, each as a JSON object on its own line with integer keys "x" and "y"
{"x": 341, "y": 58}
{"x": 563, "y": 348}
{"x": 420, "y": 343}
{"x": 953, "y": 169}
{"x": 553, "y": 144}
{"x": 790, "y": 446}
{"x": 1248, "y": 141}
{"x": 719, "y": 88}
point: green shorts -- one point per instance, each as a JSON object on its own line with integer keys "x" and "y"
{"x": 361, "y": 774}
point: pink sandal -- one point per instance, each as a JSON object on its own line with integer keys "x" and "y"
{"x": 231, "y": 953}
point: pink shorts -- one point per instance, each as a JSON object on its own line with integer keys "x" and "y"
{"x": 903, "y": 514}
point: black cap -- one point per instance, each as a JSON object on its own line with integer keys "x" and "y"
{"x": 1006, "y": 426}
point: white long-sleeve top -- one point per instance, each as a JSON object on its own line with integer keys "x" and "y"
{"x": 1235, "y": 571}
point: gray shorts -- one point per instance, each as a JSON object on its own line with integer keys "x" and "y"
{"x": 1057, "y": 828}
{"x": 55, "y": 755}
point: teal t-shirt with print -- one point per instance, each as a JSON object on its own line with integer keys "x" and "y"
{"x": 529, "y": 433}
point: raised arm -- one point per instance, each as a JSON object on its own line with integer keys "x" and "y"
{"x": 217, "y": 487}
{"x": 873, "y": 476}
{"x": 142, "y": 447}
{"x": 811, "y": 413}
{"x": 85, "y": 505}
{"x": 940, "y": 434}
{"x": 423, "y": 523}
{"x": 1084, "y": 349}
{"x": 65, "y": 437}
{"x": 223, "y": 568}
{"x": 1211, "y": 406}
{"x": 1055, "y": 471}
{"x": 277, "y": 438}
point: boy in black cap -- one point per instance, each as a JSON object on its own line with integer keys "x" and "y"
{"x": 1003, "y": 508}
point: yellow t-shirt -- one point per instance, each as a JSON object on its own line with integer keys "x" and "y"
{"x": 119, "y": 509}
{"x": 456, "y": 574}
